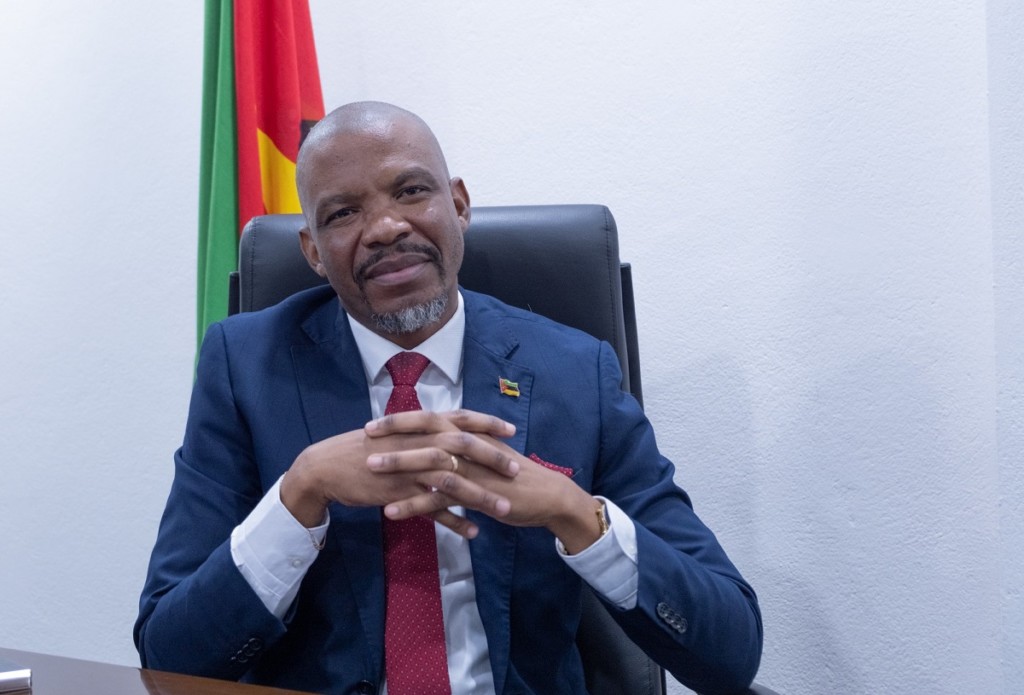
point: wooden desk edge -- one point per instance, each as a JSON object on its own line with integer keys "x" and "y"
{"x": 63, "y": 675}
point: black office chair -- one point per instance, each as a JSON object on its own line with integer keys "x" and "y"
{"x": 561, "y": 261}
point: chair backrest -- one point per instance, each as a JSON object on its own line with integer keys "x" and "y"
{"x": 561, "y": 261}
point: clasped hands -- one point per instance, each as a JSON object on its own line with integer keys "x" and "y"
{"x": 403, "y": 463}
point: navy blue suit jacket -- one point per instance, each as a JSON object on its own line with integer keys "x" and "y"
{"x": 272, "y": 382}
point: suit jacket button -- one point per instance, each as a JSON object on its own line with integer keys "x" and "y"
{"x": 670, "y": 616}
{"x": 366, "y": 688}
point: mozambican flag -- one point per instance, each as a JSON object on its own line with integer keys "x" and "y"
{"x": 261, "y": 95}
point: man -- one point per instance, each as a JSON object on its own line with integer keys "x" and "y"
{"x": 283, "y": 551}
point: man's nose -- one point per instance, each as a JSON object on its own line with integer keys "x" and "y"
{"x": 386, "y": 226}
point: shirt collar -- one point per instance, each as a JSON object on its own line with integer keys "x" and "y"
{"x": 443, "y": 349}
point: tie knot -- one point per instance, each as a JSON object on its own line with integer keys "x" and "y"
{"x": 405, "y": 368}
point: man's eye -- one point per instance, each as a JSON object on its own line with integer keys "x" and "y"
{"x": 411, "y": 190}
{"x": 338, "y": 214}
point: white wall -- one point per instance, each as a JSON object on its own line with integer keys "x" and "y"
{"x": 1006, "y": 119}
{"x": 99, "y": 126}
{"x": 822, "y": 203}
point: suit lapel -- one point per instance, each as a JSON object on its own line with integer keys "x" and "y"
{"x": 335, "y": 399}
{"x": 489, "y": 344}
{"x": 329, "y": 372}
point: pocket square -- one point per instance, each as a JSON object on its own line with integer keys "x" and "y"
{"x": 560, "y": 469}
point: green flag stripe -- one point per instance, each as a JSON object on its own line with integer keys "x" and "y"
{"x": 218, "y": 171}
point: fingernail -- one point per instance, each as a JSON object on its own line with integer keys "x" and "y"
{"x": 502, "y": 507}
{"x": 510, "y": 428}
{"x": 375, "y": 462}
{"x": 390, "y": 511}
{"x": 513, "y": 467}
{"x": 371, "y": 425}
{"x": 472, "y": 532}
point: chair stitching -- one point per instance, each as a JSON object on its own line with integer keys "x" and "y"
{"x": 611, "y": 284}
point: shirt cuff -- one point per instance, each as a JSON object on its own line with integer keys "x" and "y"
{"x": 609, "y": 565}
{"x": 273, "y": 551}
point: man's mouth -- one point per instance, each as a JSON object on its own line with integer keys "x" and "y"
{"x": 397, "y": 270}
{"x": 397, "y": 266}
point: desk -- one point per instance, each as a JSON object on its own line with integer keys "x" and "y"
{"x": 58, "y": 675}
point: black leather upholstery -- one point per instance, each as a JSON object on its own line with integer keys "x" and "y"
{"x": 561, "y": 261}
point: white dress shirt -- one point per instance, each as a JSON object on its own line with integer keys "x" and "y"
{"x": 273, "y": 550}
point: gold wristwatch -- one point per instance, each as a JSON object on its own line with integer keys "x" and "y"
{"x": 602, "y": 517}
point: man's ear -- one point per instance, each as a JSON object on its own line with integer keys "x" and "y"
{"x": 460, "y": 196}
{"x": 310, "y": 251}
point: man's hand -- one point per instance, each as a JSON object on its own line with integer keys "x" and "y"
{"x": 537, "y": 496}
{"x": 336, "y": 469}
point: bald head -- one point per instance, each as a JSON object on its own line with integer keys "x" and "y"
{"x": 372, "y": 119}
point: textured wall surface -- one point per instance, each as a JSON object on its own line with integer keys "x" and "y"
{"x": 1006, "y": 117}
{"x": 823, "y": 205}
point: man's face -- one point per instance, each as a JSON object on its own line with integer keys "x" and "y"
{"x": 385, "y": 227}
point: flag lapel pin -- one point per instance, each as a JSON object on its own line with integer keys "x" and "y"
{"x": 508, "y": 388}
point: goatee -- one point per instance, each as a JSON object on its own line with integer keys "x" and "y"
{"x": 413, "y": 318}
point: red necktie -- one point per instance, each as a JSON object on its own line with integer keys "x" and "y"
{"x": 415, "y": 660}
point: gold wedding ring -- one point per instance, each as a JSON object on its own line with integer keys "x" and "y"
{"x": 455, "y": 464}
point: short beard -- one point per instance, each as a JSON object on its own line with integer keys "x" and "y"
{"x": 413, "y": 318}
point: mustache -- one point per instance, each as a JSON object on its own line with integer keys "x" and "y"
{"x": 401, "y": 247}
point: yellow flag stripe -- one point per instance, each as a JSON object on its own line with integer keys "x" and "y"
{"x": 277, "y": 173}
